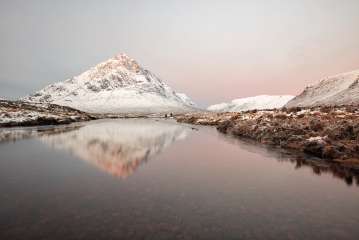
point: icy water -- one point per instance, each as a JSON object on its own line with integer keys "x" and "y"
{"x": 156, "y": 179}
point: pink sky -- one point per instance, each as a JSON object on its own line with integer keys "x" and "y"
{"x": 213, "y": 51}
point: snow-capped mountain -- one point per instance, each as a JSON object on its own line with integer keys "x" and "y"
{"x": 336, "y": 90}
{"x": 252, "y": 103}
{"x": 117, "y": 85}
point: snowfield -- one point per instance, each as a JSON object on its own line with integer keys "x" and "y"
{"x": 341, "y": 89}
{"x": 252, "y": 103}
{"x": 118, "y": 85}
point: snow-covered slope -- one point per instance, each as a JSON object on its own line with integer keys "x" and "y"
{"x": 336, "y": 90}
{"x": 117, "y": 85}
{"x": 252, "y": 103}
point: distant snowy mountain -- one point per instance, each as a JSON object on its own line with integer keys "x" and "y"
{"x": 336, "y": 90}
{"x": 251, "y": 103}
{"x": 117, "y": 85}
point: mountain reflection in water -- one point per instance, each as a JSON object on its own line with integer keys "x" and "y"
{"x": 118, "y": 147}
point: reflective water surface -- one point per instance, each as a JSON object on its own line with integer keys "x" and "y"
{"x": 156, "y": 179}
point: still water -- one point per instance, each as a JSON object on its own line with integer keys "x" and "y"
{"x": 156, "y": 179}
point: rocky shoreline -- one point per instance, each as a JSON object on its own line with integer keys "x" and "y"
{"x": 328, "y": 133}
{"x": 17, "y": 113}
{"x": 26, "y": 114}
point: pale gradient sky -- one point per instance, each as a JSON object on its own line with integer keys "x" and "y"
{"x": 212, "y": 50}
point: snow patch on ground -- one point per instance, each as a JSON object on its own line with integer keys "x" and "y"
{"x": 318, "y": 139}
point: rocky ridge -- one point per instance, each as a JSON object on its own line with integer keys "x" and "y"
{"x": 341, "y": 89}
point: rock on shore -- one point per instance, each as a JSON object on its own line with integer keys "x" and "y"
{"x": 330, "y": 133}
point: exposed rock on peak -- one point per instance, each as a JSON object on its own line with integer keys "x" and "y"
{"x": 117, "y": 63}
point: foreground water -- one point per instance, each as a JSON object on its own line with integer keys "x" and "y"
{"x": 156, "y": 179}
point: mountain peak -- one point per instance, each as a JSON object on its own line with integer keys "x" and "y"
{"x": 117, "y": 85}
{"x": 125, "y": 60}
{"x": 118, "y": 62}
{"x": 122, "y": 57}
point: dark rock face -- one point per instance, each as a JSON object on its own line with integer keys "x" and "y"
{"x": 330, "y": 133}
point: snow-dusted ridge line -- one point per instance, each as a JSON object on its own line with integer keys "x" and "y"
{"x": 252, "y": 103}
{"x": 118, "y": 85}
{"x": 340, "y": 89}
